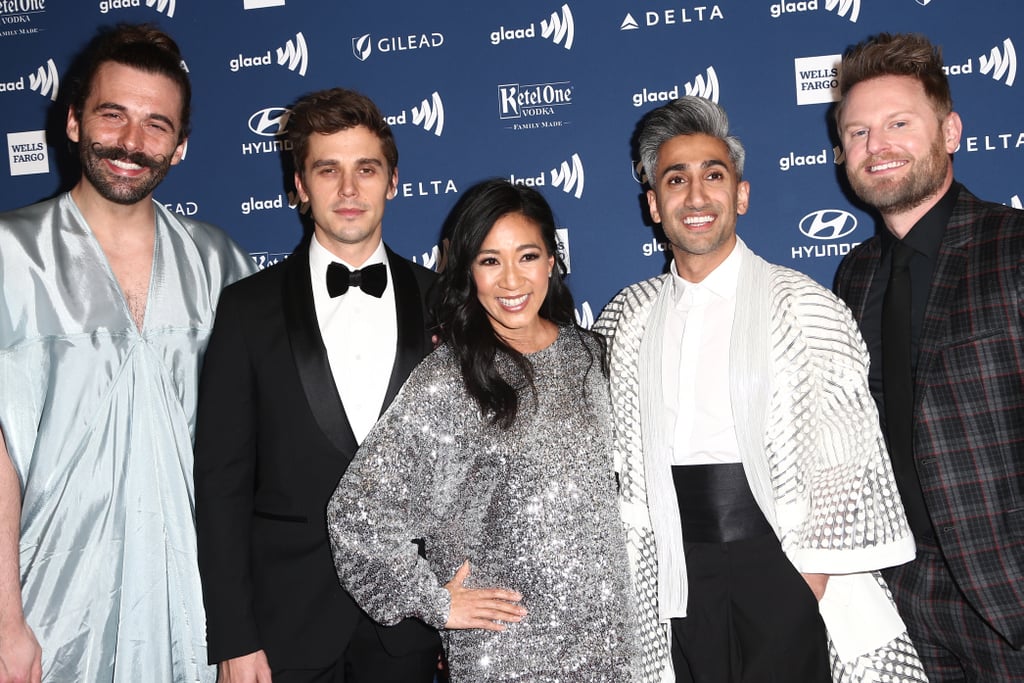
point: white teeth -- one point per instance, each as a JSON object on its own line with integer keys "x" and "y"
{"x": 698, "y": 220}
{"x": 512, "y": 303}
{"x": 886, "y": 166}
{"x": 126, "y": 165}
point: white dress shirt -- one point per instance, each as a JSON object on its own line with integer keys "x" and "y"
{"x": 361, "y": 334}
{"x": 698, "y": 330}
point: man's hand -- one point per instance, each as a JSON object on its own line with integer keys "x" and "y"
{"x": 481, "y": 607}
{"x": 816, "y": 582}
{"x": 21, "y": 659}
{"x": 250, "y": 668}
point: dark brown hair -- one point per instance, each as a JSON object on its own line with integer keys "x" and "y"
{"x": 140, "y": 46}
{"x": 899, "y": 54}
{"x": 330, "y": 111}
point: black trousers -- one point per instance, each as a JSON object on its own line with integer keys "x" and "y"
{"x": 366, "y": 661}
{"x": 751, "y": 618}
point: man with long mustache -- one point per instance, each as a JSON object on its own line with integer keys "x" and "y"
{"x": 106, "y": 302}
{"x": 938, "y": 297}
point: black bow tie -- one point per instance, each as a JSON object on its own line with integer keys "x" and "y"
{"x": 371, "y": 279}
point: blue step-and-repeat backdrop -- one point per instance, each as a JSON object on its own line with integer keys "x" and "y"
{"x": 544, "y": 92}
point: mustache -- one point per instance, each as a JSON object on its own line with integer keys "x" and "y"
{"x": 114, "y": 153}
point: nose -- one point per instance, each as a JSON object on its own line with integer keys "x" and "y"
{"x": 132, "y": 137}
{"x": 877, "y": 141}
{"x": 346, "y": 184}
{"x": 696, "y": 198}
{"x": 510, "y": 277}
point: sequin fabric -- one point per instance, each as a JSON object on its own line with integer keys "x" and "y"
{"x": 532, "y": 508}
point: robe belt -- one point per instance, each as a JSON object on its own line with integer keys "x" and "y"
{"x": 716, "y": 504}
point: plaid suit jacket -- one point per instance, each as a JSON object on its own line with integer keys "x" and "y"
{"x": 969, "y": 401}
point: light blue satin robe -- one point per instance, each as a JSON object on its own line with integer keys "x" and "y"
{"x": 99, "y": 420}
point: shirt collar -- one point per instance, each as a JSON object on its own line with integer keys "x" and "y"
{"x": 925, "y": 237}
{"x": 721, "y": 282}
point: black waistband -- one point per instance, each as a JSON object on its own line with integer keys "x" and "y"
{"x": 716, "y": 505}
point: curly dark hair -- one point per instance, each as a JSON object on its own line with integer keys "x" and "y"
{"x": 464, "y": 324}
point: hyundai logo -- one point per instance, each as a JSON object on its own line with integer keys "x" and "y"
{"x": 828, "y": 224}
{"x": 271, "y": 122}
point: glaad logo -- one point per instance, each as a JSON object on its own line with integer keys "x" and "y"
{"x": 162, "y": 6}
{"x": 1002, "y": 65}
{"x": 828, "y": 224}
{"x": 569, "y": 177}
{"x": 44, "y": 81}
{"x": 794, "y": 160}
{"x": 436, "y": 258}
{"x": 703, "y": 85}
{"x": 252, "y": 204}
{"x": 429, "y": 115}
{"x": 362, "y": 46}
{"x": 27, "y": 153}
{"x": 294, "y": 55}
{"x": 585, "y": 316}
{"x": 684, "y": 15}
{"x": 559, "y": 28}
{"x": 840, "y": 7}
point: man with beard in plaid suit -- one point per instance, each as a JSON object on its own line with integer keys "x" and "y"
{"x": 938, "y": 296}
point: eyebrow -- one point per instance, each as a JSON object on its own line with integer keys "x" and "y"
{"x": 521, "y": 247}
{"x": 121, "y": 108}
{"x": 319, "y": 163}
{"x": 704, "y": 164}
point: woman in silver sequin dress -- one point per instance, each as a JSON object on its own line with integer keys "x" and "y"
{"x": 496, "y": 453}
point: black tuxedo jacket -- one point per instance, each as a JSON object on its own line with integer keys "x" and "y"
{"x": 272, "y": 441}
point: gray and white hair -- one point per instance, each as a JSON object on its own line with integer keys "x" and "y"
{"x": 689, "y": 115}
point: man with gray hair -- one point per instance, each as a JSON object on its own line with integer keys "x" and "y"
{"x": 755, "y": 485}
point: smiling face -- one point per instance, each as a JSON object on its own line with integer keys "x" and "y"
{"x": 696, "y": 198}
{"x": 897, "y": 146}
{"x": 128, "y": 133}
{"x": 347, "y": 184}
{"x": 511, "y": 273}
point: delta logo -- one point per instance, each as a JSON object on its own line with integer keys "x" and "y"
{"x": 429, "y": 115}
{"x": 45, "y": 80}
{"x": 1000, "y": 63}
{"x": 848, "y": 9}
{"x": 362, "y": 46}
{"x": 161, "y": 6}
{"x": 568, "y": 177}
{"x": 271, "y": 122}
{"x": 669, "y": 17}
{"x": 294, "y": 56}
{"x": 703, "y": 85}
{"x": 559, "y": 28}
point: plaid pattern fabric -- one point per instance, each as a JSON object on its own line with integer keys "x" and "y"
{"x": 969, "y": 402}
{"x": 954, "y": 642}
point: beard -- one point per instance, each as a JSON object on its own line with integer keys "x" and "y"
{"x": 120, "y": 189}
{"x": 899, "y": 195}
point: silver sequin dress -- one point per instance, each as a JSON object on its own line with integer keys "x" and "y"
{"x": 532, "y": 508}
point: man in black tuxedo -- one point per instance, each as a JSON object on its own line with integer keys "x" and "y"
{"x": 304, "y": 357}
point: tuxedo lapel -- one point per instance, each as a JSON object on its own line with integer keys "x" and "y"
{"x": 310, "y": 354}
{"x": 411, "y": 324}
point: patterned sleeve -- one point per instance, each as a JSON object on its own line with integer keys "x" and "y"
{"x": 393, "y": 492}
{"x": 855, "y": 520}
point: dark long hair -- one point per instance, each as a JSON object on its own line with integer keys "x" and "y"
{"x": 465, "y": 326}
